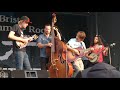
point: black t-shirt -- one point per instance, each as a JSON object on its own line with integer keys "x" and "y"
{"x": 17, "y": 30}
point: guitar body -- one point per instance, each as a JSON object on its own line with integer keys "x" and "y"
{"x": 71, "y": 56}
{"x": 21, "y": 45}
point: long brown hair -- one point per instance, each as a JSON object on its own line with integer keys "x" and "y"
{"x": 99, "y": 40}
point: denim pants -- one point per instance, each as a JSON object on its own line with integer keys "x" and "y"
{"x": 78, "y": 66}
{"x": 22, "y": 60}
{"x": 43, "y": 63}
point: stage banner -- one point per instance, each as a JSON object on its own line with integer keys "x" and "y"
{"x": 67, "y": 24}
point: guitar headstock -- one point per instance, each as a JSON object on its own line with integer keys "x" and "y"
{"x": 35, "y": 37}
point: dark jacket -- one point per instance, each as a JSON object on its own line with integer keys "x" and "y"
{"x": 101, "y": 70}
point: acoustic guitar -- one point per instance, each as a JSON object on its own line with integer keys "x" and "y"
{"x": 21, "y": 44}
{"x": 71, "y": 56}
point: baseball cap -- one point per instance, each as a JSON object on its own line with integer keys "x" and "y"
{"x": 26, "y": 19}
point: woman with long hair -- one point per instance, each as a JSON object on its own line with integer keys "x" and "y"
{"x": 98, "y": 51}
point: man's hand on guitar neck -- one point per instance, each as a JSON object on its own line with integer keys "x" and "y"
{"x": 30, "y": 39}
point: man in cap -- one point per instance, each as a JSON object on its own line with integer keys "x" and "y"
{"x": 101, "y": 70}
{"x": 16, "y": 34}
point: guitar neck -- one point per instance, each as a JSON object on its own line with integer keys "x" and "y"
{"x": 34, "y": 37}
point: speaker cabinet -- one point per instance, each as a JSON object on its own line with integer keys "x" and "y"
{"x": 43, "y": 74}
{"x": 29, "y": 74}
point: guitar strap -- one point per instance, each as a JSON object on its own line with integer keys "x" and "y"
{"x": 22, "y": 35}
{"x": 82, "y": 45}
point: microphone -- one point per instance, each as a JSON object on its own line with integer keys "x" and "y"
{"x": 113, "y": 44}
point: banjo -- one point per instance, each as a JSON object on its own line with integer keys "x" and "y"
{"x": 95, "y": 56}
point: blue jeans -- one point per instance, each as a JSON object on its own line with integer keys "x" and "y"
{"x": 22, "y": 60}
{"x": 43, "y": 63}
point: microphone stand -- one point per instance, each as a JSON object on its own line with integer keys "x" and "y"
{"x": 109, "y": 50}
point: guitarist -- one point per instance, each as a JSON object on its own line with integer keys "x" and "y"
{"x": 16, "y": 34}
{"x": 97, "y": 47}
{"x": 74, "y": 43}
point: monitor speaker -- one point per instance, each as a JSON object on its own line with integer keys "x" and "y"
{"x": 29, "y": 74}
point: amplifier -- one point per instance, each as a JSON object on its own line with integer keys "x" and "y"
{"x": 29, "y": 74}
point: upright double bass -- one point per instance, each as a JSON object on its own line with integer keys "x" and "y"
{"x": 59, "y": 67}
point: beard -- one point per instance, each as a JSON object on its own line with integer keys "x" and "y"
{"x": 47, "y": 33}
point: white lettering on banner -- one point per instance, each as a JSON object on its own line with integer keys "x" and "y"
{"x": 31, "y": 29}
{"x": 10, "y": 19}
{"x": 5, "y": 28}
{"x": 35, "y": 30}
{"x": 9, "y": 53}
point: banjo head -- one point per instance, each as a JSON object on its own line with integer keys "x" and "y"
{"x": 95, "y": 57}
